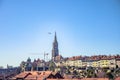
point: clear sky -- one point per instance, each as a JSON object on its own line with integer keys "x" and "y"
{"x": 84, "y": 27}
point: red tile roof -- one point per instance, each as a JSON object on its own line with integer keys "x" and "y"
{"x": 38, "y": 75}
{"x": 95, "y": 79}
{"x": 118, "y": 78}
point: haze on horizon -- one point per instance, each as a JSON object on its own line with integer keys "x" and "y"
{"x": 84, "y": 27}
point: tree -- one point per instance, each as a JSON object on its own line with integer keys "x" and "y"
{"x": 110, "y": 76}
{"x": 52, "y": 66}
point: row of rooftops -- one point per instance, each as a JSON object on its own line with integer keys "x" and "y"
{"x": 37, "y": 75}
{"x": 93, "y": 58}
{"x": 83, "y": 58}
{"x": 49, "y": 75}
{"x": 34, "y": 62}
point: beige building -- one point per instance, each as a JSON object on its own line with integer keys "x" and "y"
{"x": 96, "y": 63}
{"x": 104, "y": 63}
{"x": 78, "y": 63}
{"x": 112, "y": 63}
{"x": 70, "y": 63}
{"x": 84, "y": 63}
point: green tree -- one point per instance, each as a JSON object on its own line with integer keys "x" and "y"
{"x": 52, "y": 66}
{"x": 110, "y": 76}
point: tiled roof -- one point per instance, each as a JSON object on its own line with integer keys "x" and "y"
{"x": 93, "y": 58}
{"x": 118, "y": 78}
{"x": 37, "y": 74}
{"x": 95, "y": 79}
{"x": 22, "y": 75}
{"x": 63, "y": 79}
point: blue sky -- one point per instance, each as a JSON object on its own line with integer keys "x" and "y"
{"x": 84, "y": 27}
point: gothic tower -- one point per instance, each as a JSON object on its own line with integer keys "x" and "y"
{"x": 55, "y": 51}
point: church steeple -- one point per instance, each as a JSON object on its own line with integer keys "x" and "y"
{"x": 55, "y": 51}
{"x": 55, "y": 38}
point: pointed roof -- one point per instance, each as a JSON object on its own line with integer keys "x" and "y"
{"x": 55, "y": 38}
{"x": 28, "y": 60}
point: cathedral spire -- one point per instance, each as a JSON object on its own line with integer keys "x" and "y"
{"x": 55, "y": 51}
{"x": 55, "y": 38}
